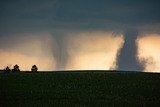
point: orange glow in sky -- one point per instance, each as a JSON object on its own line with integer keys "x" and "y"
{"x": 28, "y": 50}
{"x": 94, "y": 51}
{"x": 86, "y": 50}
{"x": 149, "y": 52}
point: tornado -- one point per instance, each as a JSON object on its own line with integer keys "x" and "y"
{"x": 128, "y": 56}
{"x": 60, "y": 51}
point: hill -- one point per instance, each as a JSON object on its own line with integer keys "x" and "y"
{"x": 80, "y": 89}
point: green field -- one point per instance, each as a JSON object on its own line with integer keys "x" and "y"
{"x": 80, "y": 89}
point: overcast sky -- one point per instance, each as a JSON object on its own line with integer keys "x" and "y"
{"x": 62, "y": 19}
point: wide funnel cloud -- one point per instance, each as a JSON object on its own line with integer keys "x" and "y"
{"x": 128, "y": 55}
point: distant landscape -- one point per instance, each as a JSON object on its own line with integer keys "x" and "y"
{"x": 80, "y": 89}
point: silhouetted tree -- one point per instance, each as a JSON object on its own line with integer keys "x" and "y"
{"x": 34, "y": 68}
{"x": 16, "y": 68}
{"x": 7, "y": 69}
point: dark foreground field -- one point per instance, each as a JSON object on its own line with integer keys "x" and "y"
{"x": 80, "y": 89}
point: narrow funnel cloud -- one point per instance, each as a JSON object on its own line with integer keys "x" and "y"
{"x": 60, "y": 50}
{"x": 127, "y": 58}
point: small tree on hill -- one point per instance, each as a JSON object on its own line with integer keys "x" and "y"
{"x": 34, "y": 68}
{"x": 16, "y": 68}
{"x": 7, "y": 69}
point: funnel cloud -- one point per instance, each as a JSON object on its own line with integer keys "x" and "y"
{"x": 128, "y": 55}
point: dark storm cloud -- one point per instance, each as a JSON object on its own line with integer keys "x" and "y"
{"x": 121, "y": 11}
{"x": 21, "y": 16}
{"x": 95, "y": 14}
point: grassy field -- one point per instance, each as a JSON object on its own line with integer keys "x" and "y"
{"x": 80, "y": 89}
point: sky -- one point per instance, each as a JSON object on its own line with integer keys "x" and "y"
{"x": 80, "y": 34}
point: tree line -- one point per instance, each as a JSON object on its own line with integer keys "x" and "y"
{"x": 16, "y": 68}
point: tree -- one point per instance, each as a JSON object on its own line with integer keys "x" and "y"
{"x": 7, "y": 69}
{"x": 34, "y": 68}
{"x": 16, "y": 68}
